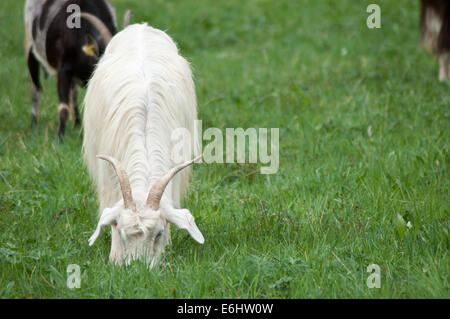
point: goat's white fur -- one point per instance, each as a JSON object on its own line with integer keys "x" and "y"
{"x": 141, "y": 91}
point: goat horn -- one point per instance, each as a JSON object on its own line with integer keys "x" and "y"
{"x": 157, "y": 190}
{"x": 126, "y": 19}
{"x": 123, "y": 181}
{"x": 99, "y": 25}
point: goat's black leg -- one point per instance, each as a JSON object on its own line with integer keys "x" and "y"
{"x": 74, "y": 105}
{"x": 444, "y": 43}
{"x": 64, "y": 88}
{"x": 33, "y": 68}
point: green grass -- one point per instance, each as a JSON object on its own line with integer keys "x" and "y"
{"x": 338, "y": 203}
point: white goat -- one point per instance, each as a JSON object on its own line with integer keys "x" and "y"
{"x": 141, "y": 91}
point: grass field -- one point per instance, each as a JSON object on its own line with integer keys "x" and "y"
{"x": 364, "y": 150}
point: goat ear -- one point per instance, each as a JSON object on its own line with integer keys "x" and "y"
{"x": 109, "y": 217}
{"x": 90, "y": 48}
{"x": 183, "y": 219}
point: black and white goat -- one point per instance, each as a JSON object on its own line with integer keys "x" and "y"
{"x": 435, "y": 32}
{"x": 66, "y": 49}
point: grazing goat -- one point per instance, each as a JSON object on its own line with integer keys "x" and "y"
{"x": 141, "y": 91}
{"x": 435, "y": 32}
{"x": 68, "y": 51}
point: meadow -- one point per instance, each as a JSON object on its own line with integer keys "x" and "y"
{"x": 363, "y": 163}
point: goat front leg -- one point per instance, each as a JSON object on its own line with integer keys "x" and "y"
{"x": 168, "y": 234}
{"x": 115, "y": 256}
{"x": 74, "y": 105}
{"x": 64, "y": 88}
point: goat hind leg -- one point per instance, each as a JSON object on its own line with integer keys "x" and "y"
{"x": 33, "y": 68}
{"x": 64, "y": 88}
{"x": 444, "y": 66}
{"x": 35, "y": 97}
